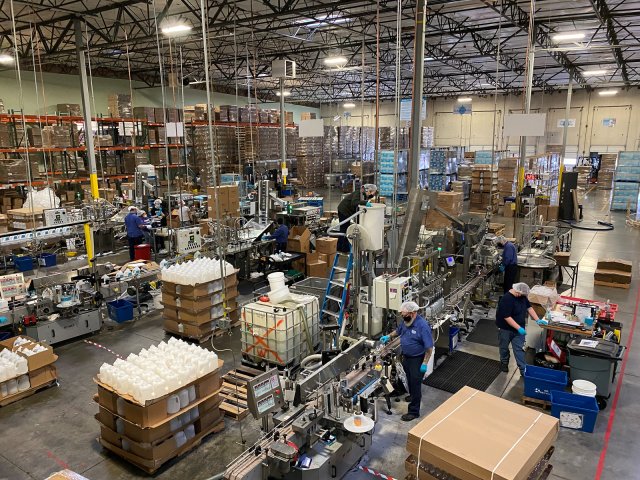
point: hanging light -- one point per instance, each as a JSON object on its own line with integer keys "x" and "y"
{"x": 176, "y": 29}
{"x": 464, "y": 99}
{"x": 594, "y": 73}
{"x": 608, "y": 93}
{"x": 568, "y": 36}
{"x": 286, "y": 93}
{"x": 338, "y": 61}
{"x": 349, "y": 105}
{"x": 6, "y": 59}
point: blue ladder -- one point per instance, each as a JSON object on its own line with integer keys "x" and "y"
{"x": 336, "y": 317}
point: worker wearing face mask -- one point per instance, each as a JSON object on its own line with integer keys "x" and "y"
{"x": 416, "y": 342}
{"x": 349, "y": 206}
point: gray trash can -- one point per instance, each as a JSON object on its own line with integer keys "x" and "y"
{"x": 596, "y": 364}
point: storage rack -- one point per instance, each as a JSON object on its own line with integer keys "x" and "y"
{"x": 626, "y": 188}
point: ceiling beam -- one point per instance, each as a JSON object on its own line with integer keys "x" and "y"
{"x": 604, "y": 15}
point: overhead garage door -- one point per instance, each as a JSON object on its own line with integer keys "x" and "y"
{"x": 609, "y": 128}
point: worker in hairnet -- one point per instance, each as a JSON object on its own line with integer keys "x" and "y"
{"x": 134, "y": 227}
{"x": 511, "y": 320}
{"x": 509, "y": 263}
{"x": 416, "y": 342}
{"x": 349, "y": 206}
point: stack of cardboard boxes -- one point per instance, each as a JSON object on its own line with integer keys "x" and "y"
{"x": 119, "y": 105}
{"x": 25, "y": 218}
{"x": 584, "y": 173}
{"x": 326, "y": 248}
{"x": 228, "y": 201}
{"x": 507, "y": 172}
{"x": 41, "y": 369}
{"x": 71, "y": 109}
{"x": 607, "y": 170}
{"x": 476, "y": 436}
{"x": 145, "y": 113}
{"x": 147, "y": 435}
{"x": 194, "y": 311}
{"x": 484, "y": 182}
{"x": 450, "y": 202}
{"x": 613, "y": 272}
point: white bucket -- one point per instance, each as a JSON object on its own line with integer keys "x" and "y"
{"x": 584, "y": 388}
{"x": 278, "y": 296}
{"x": 372, "y": 222}
{"x": 276, "y": 281}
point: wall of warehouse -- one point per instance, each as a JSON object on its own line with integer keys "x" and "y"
{"x": 593, "y": 131}
{"x": 60, "y": 88}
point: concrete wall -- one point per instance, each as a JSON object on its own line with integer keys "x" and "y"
{"x": 66, "y": 89}
{"x": 476, "y": 131}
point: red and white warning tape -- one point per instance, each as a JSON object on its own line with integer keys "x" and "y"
{"x": 102, "y": 347}
{"x": 375, "y": 473}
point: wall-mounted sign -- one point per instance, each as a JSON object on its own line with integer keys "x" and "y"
{"x": 463, "y": 109}
{"x": 405, "y": 109}
{"x": 571, "y": 123}
{"x": 609, "y": 122}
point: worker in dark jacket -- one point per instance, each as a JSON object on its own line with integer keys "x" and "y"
{"x": 280, "y": 235}
{"x": 511, "y": 320}
{"x": 349, "y": 206}
{"x": 135, "y": 226}
{"x": 509, "y": 263}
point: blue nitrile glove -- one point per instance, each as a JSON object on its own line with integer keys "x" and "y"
{"x": 542, "y": 322}
{"x": 501, "y": 267}
{"x": 423, "y": 368}
{"x": 384, "y": 339}
{"x": 522, "y": 331}
{"x": 368, "y": 204}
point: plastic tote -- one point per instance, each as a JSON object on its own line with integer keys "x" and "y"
{"x": 120, "y": 310}
{"x": 47, "y": 260}
{"x": 539, "y": 382}
{"x": 23, "y": 263}
{"x": 574, "y": 411}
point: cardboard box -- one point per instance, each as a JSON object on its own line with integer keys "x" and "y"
{"x": 204, "y": 317}
{"x": 188, "y": 329}
{"x": 612, "y": 276}
{"x": 154, "y": 413}
{"x": 198, "y": 304}
{"x": 562, "y": 258}
{"x": 317, "y": 269}
{"x": 298, "y": 240}
{"x": 473, "y": 432}
{"x": 35, "y": 362}
{"x": 42, "y": 376}
{"x": 327, "y": 245}
{"x": 201, "y": 289}
{"x": 552, "y": 213}
{"x": 615, "y": 264}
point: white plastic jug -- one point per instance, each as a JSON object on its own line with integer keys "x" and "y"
{"x": 184, "y": 398}
{"x": 190, "y": 432}
{"x": 23, "y": 383}
{"x": 173, "y": 404}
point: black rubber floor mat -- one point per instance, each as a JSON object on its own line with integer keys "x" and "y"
{"x": 485, "y": 333}
{"x": 462, "y": 369}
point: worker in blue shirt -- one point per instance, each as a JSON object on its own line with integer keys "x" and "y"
{"x": 134, "y": 225}
{"x": 416, "y": 342}
{"x": 511, "y": 320}
{"x": 280, "y": 235}
{"x": 509, "y": 263}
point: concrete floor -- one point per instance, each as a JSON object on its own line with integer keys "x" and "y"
{"x": 55, "y": 429}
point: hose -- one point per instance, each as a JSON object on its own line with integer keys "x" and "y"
{"x": 316, "y": 357}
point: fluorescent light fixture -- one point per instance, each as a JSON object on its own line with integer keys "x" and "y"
{"x": 286, "y": 93}
{"x": 349, "y": 105}
{"x": 176, "y": 29}
{"x": 464, "y": 99}
{"x": 569, "y": 36}
{"x": 6, "y": 59}
{"x": 322, "y": 21}
{"x": 486, "y": 85}
{"x": 593, "y": 73}
{"x": 608, "y": 93}
{"x": 338, "y": 61}
{"x": 429, "y": 59}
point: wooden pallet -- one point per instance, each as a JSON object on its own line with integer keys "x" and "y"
{"x": 27, "y": 393}
{"x": 612, "y": 284}
{"x": 153, "y": 466}
{"x": 536, "y": 403}
{"x": 234, "y": 391}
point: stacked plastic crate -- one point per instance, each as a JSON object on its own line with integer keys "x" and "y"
{"x": 437, "y": 170}
{"x": 627, "y": 182}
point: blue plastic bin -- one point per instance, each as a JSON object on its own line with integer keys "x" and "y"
{"x": 120, "y": 310}
{"x": 575, "y": 411}
{"x": 47, "y": 260}
{"x": 23, "y": 263}
{"x": 539, "y": 382}
{"x": 453, "y": 338}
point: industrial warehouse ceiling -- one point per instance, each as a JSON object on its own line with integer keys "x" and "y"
{"x": 463, "y": 41}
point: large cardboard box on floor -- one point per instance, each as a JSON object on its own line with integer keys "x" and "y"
{"x": 478, "y": 436}
{"x": 615, "y": 264}
{"x": 35, "y": 361}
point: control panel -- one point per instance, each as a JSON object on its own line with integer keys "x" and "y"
{"x": 264, "y": 394}
{"x": 188, "y": 240}
{"x": 55, "y": 216}
{"x": 391, "y": 289}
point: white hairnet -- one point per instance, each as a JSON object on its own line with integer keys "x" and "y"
{"x": 132, "y": 209}
{"x": 370, "y": 187}
{"x": 409, "y": 307}
{"x": 501, "y": 239}
{"x": 522, "y": 288}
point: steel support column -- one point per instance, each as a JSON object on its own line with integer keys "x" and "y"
{"x": 565, "y": 130}
{"x": 416, "y": 104}
{"x": 283, "y": 133}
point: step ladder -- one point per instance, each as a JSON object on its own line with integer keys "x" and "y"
{"x": 336, "y": 294}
